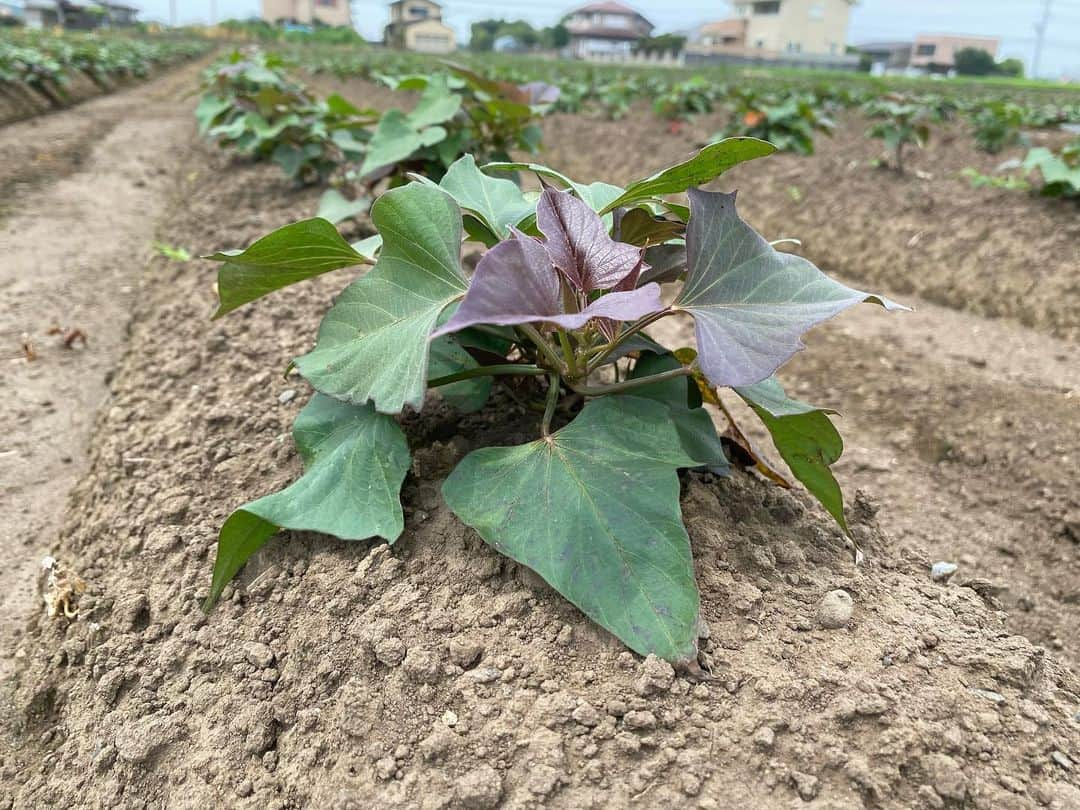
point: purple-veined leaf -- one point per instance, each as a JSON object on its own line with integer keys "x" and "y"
{"x": 751, "y": 303}
{"x": 516, "y": 282}
{"x": 579, "y": 244}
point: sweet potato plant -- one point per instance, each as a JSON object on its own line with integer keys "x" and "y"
{"x": 558, "y": 306}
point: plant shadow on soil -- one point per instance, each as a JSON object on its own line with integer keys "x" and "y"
{"x": 438, "y": 674}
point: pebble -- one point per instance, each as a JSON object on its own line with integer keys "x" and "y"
{"x": 989, "y": 694}
{"x": 1061, "y": 759}
{"x": 479, "y": 789}
{"x": 422, "y": 666}
{"x": 484, "y": 674}
{"x": 806, "y": 785}
{"x": 390, "y": 651}
{"x": 941, "y": 571}
{"x": 643, "y": 720}
{"x": 656, "y": 675}
{"x": 834, "y": 610}
{"x": 258, "y": 654}
{"x": 765, "y": 738}
{"x": 286, "y": 396}
{"x": 465, "y": 651}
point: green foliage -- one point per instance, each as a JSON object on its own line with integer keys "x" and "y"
{"x": 788, "y": 122}
{"x": 252, "y": 106}
{"x": 974, "y": 62}
{"x": 685, "y": 100}
{"x": 1006, "y": 182}
{"x": 1060, "y": 171}
{"x": 592, "y": 504}
{"x": 997, "y": 126}
{"x": 46, "y": 62}
{"x": 900, "y": 122}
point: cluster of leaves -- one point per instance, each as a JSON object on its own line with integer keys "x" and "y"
{"x": 1060, "y": 171}
{"x": 789, "y": 122}
{"x": 684, "y": 100}
{"x": 558, "y": 310}
{"x": 997, "y": 125}
{"x": 251, "y": 105}
{"x": 47, "y": 62}
{"x": 899, "y": 121}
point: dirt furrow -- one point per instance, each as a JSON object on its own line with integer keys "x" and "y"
{"x": 72, "y": 250}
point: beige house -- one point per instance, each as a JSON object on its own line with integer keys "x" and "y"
{"x": 605, "y": 29}
{"x": 774, "y": 28}
{"x": 416, "y": 25}
{"x": 937, "y": 52}
{"x": 329, "y": 12}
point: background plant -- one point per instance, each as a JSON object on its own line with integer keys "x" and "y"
{"x": 788, "y": 122}
{"x": 899, "y": 122}
{"x": 558, "y": 307}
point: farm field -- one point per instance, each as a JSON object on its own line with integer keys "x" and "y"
{"x": 438, "y": 673}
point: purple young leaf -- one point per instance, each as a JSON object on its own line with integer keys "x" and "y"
{"x": 516, "y": 282}
{"x": 541, "y": 93}
{"x": 579, "y": 244}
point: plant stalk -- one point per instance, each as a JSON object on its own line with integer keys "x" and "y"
{"x": 552, "y": 402}
{"x": 487, "y": 371}
{"x": 543, "y": 346}
{"x": 627, "y": 385}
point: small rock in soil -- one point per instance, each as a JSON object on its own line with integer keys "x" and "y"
{"x": 656, "y": 675}
{"x": 258, "y": 654}
{"x": 941, "y": 571}
{"x": 390, "y": 651}
{"x": 465, "y": 651}
{"x": 480, "y": 789}
{"x": 834, "y": 610}
{"x": 286, "y": 396}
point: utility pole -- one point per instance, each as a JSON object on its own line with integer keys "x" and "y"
{"x": 213, "y": 12}
{"x": 172, "y": 13}
{"x": 1040, "y": 35}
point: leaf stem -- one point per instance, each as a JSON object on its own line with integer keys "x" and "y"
{"x": 627, "y": 385}
{"x": 633, "y": 329}
{"x": 568, "y": 353}
{"x": 542, "y": 346}
{"x": 552, "y": 401}
{"x": 487, "y": 371}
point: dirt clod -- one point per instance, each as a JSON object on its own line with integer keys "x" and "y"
{"x": 835, "y": 609}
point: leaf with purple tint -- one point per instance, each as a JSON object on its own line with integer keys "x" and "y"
{"x": 751, "y": 303}
{"x": 516, "y": 282}
{"x": 540, "y": 93}
{"x": 579, "y": 244}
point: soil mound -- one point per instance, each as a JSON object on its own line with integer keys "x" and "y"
{"x": 438, "y": 674}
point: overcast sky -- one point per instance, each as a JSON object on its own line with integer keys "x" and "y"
{"x": 1011, "y": 20}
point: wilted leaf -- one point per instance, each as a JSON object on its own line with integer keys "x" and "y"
{"x": 290, "y": 254}
{"x": 354, "y": 463}
{"x": 373, "y": 343}
{"x": 594, "y": 510}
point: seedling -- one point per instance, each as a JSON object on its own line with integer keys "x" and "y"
{"x": 561, "y": 300}
{"x": 902, "y": 122}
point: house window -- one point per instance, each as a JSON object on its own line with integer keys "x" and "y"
{"x": 330, "y": 3}
{"x": 926, "y": 49}
{"x": 768, "y": 7}
{"x": 418, "y": 12}
{"x": 759, "y": 44}
{"x": 794, "y": 47}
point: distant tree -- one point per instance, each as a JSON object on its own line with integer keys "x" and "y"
{"x": 974, "y": 62}
{"x": 482, "y": 34}
{"x": 554, "y": 37}
{"x": 1010, "y": 67}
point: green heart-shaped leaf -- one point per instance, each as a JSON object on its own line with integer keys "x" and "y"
{"x": 594, "y": 509}
{"x": 373, "y": 343}
{"x": 355, "y": 461}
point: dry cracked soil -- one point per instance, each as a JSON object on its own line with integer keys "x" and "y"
{"x": 437, "y": 674}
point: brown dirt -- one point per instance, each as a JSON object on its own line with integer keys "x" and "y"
{"x": 437, "y": 674}
{"x": 52, "y": 145}
{"x": 71, "y": 253}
